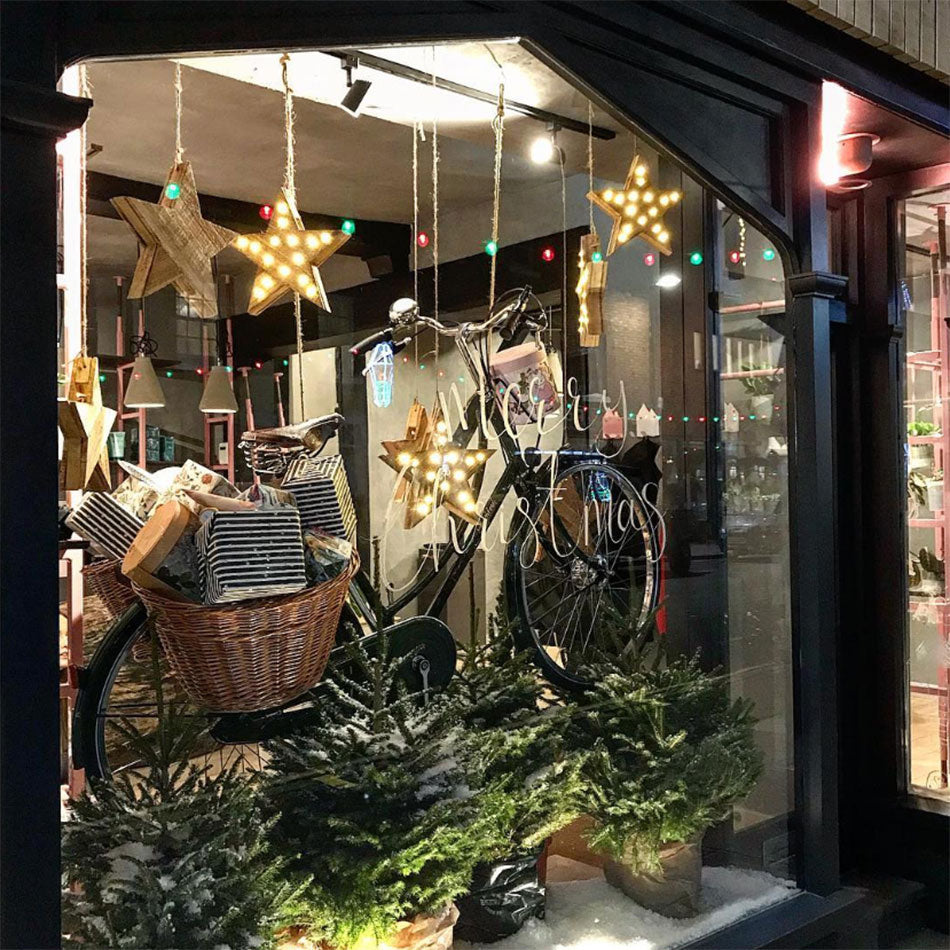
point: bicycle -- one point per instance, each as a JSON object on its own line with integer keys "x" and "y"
{"x": 586, "y": 541}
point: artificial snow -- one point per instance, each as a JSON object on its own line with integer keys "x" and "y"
{"x": 592, "y": 915}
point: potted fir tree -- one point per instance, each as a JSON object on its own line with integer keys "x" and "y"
{"x": 374, "y": 802}
{"x": 173, "y": 855}
{"x": 512, "y": 745}
{"x": 669, "y": 753}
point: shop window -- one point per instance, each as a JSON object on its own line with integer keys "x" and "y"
{"x": 671, "y": 397}
{"x": 922, "y": 298}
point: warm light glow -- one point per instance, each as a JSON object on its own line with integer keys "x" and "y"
{"x": 312, "y": 241}
{"x": 664, "y": 200}
{"x": 259, "y": 292}
{"x": 298, "y": 258}
{"x": 311, "y": 291}
{"x": 283, "y": 270}
{"x": 441, "y": 427}
{"x": 542, "y": 150}
{"x": 608, "y": 195}
{"x": 267, "y": 281}
{"x": 464, "y": 496}
{"x": 242, "y": 242}
{"x": 452, "y": 458}
{"x": 326, "y": 237}
{"x": 283, "y": 222}
{"x": 292, "y": 240}
{"x": 255, "y": 247}
{"x": 282, "y": 207}
{"x": 674, "y": 196}
{"x": 430, "y": 476}
{"x": 642, "y": 219}
{"x": 422, "y": 508}
{"x": 274, "y": 240}
{"x": 268, "y": 259}
{"x": 435, "y": 458}
{"x": 664, "y": 236}
{"x": 303, "y": 280}
{"x": 480, "y": 456}
{"x": 834, "y": 106}
{"x": 668, "y": 279}
{"x": 640, "y": 171}
{"x": 469, "y": 460}
{"x": 470, "y": 507}
{"x": 648, "y": 196}
{"x": 458, "y": 475}
{"x": 618, "y": 199}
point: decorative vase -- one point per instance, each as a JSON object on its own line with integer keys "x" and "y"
{"x": 673, "y": 889}
{"x": 116, "y": 445}
{"x": 424, "y": 932}
{"x": 935, "y": 494}
{"x": 503, "y": 895}
{"x": 761, "y": 407}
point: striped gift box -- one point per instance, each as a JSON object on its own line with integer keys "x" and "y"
{"x": 105, "y": 523}
{"x": 322, "y": 492}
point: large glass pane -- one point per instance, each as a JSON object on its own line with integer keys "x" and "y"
{"x": 922, "y": 294}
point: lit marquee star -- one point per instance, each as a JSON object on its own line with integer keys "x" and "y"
{"x": 175, "y": 243}
{"x": 438, "y": 472}
{"x": 287, "y": 257}
{"x": 637, "y": 210}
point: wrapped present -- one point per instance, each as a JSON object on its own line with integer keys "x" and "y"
{"x": 103, "y": 522}
{"x": 197, "y": 478}
{"x": 322, "y": 493}
{"x": 325, "y": 556}
{"x": 248, "y": 554}
{"x": 138, "y": 496}
{"x": 163, "y": 555}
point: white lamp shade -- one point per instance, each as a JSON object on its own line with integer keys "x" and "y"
{"x": 218, "y": 395}
{"x": 145, "y": 391}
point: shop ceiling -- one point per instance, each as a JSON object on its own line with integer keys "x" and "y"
{"x": 356, "y": 167}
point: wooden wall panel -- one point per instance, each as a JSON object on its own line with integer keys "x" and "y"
{"x": 916, "y": 32}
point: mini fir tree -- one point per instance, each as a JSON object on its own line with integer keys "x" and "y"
{"x": 171, "y": 855}
{"x": 669, "y": 751}
{"x": 512, "y": 740}
{"x": 375, "y": 803}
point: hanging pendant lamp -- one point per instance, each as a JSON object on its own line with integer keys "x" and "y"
{"x": 218, "y": 397}
{"x": 145, "y": 391}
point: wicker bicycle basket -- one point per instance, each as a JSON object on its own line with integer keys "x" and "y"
{"x": 106, "y": 580}
{"x": 255, "y": 654}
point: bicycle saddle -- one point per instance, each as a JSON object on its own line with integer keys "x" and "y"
{"x": 311, "y": 433}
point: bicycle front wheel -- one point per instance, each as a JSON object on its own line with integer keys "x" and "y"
{"x": 588, "y": 554}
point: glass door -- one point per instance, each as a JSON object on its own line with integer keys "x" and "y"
{"x": 923, "y": 296}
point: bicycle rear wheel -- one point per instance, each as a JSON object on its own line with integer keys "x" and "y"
{"x": 591, "y": 550}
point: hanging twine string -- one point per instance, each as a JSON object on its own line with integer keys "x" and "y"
{"x": 179, "y": 151}
{"x": 498, "y": 123}
{"x": 590, "y": 164}
{"x": 290, "y": 187}
{"x": 560, "y": 155}
{"x": 290, "y": 184}
{"x": 416, "y": 130}
{"x": 435, "y": 220}
{"x": 85, "y": 90}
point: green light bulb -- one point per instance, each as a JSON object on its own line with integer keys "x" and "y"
{"x": 768, "y": 254}
{"x": 172, "y": 190}
{"x": 102, "y": 377}
{"x": 695, "y": 258}
{"x": 491, "y": 248}
{"x": 597, "y": 257}
{"x": 348, "y": 226}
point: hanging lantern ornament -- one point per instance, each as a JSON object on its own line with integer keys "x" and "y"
{"x": 379, "y": 368}
{"x": 145, "y": 391}
{"x": 218, "y": 397}
{"x": 637, "y": 209}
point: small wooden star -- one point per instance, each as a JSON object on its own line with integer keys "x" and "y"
{"x": 85, "y": 424}
{"x": 438, "y": 472}
{"x": 637, "y": 210}
{"x": 176, "y": 243}
{"x": 591, "y": 286}
{"x": 287, "y": 257}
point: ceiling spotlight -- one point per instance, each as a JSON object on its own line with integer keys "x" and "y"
{"x": 669, "y": 279}
{"x": 355, "y": 89}
{"x": 544, "y": 148}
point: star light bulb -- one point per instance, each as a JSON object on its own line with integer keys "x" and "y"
{"x": 283, "y": 270}
{"x": 404, "y": 459}
{"x": 274, "y": 241}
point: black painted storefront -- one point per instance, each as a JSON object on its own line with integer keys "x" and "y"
{"x": 732, "y": 92}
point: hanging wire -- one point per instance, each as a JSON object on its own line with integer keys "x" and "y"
{"x": 85, "y": 90}
{"x": 498, "y": 124}
{"x": 435, "y": 219}
{"x": 290, "y": 187}
{"x": 290, "y": 184}
{"x": 179, "y": 151}
{"x": 416, "y": 131}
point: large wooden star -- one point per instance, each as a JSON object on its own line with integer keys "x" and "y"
{"x": 85, "y": 424}
{"x": 636, "y": 210}
{"x": 287, "y": 257}
{"x": 176, "y": 243}
{"x": 437, "y": 472}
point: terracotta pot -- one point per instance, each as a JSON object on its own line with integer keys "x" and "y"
{"x": 420, "y": 933}
{"x": 673, "y": 890}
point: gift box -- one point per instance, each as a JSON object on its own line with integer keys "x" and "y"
{"x": 322, "y": 493}
{"x": 104, "y": 523}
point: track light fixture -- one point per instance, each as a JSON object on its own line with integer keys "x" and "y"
{"x": 355, "y": 89}
{"x": 544, "y": 148}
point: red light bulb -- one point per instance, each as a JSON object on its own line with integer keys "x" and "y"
{"x": 422, "y": 239}
{"x": 257, "y": 364}
{"x": 649, "y": 259}
{"x": 547, "y": 254}
{"x": 200, "y": 371}
{"x": 265, "y": 211}
{"x": 734, "y": 257}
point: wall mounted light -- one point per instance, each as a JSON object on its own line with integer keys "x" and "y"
{"x": 544, "y": 149}
{"x": 668, "y": 280}
{"x": 355, "y": 89}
